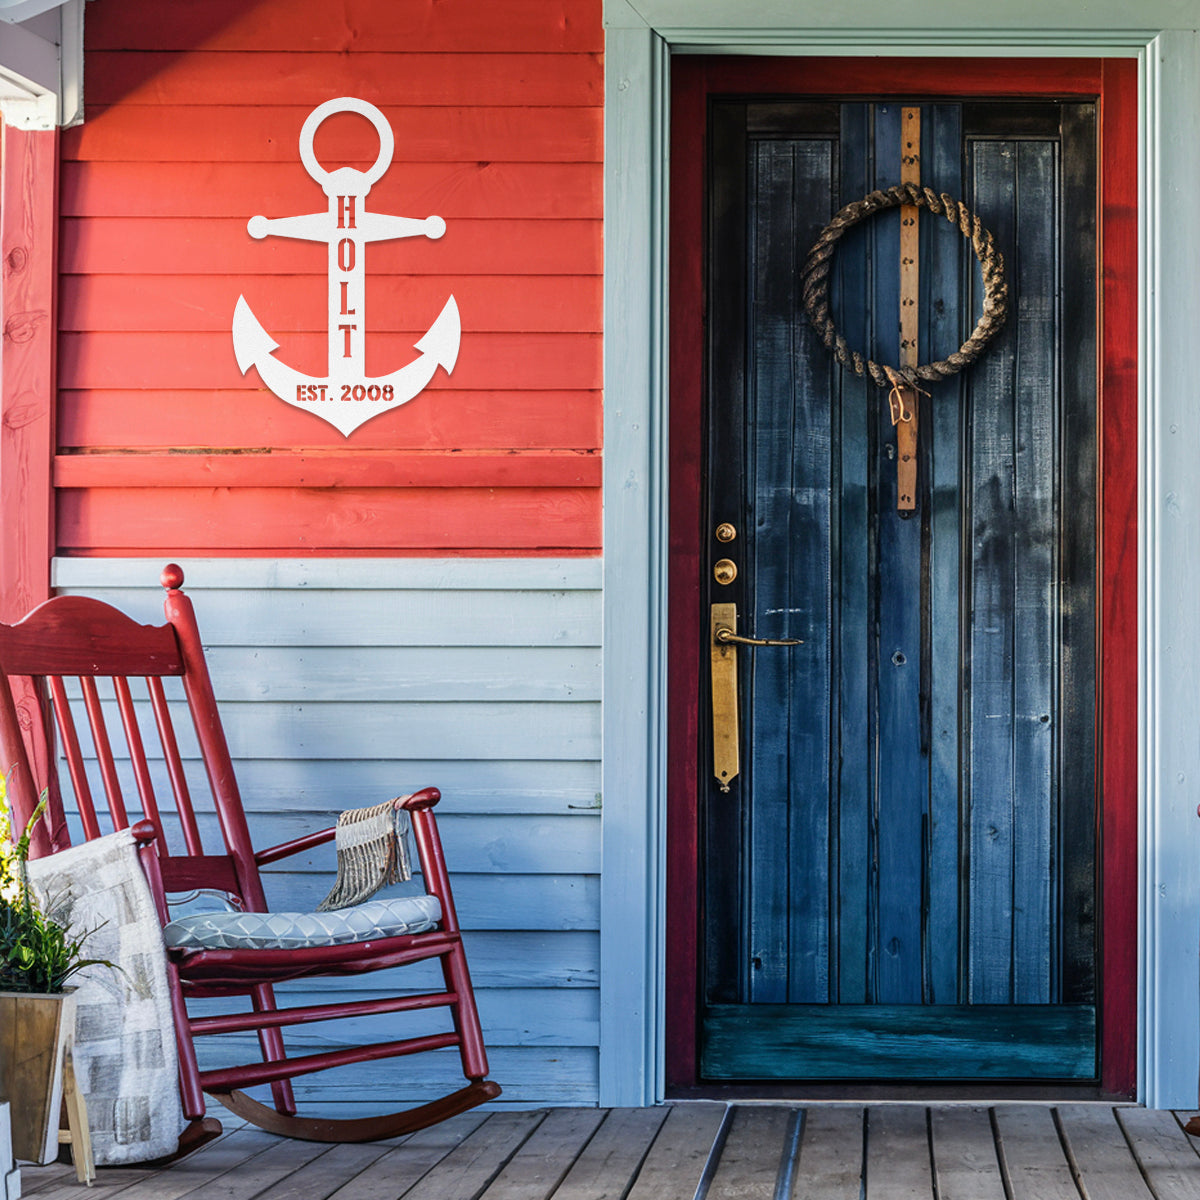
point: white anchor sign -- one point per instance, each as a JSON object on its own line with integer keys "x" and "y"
{"x": 346, "y": 397}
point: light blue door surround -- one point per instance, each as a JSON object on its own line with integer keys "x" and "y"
{"x": 640, "y": 39}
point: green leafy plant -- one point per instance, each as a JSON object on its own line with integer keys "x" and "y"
{"x": 36, "y": 953}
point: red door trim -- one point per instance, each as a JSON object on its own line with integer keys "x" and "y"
{"x": 1114, "y": 83}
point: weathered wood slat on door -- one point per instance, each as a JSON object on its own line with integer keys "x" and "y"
{"x": 990, "y": 834}
{"x": 853, "y": 614}
{"x": 1032, "y": 1155}
{"x": 902, "y": 780}
{"x": 940, "y": 460}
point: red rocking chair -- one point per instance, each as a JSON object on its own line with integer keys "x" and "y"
{"x": 74, "y": 638}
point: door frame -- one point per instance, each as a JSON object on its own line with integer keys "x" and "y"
{"x": 1113, "y": 85}
{"x": 638, "y": 59}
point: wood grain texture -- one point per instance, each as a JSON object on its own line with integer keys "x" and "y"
{"x": 831, "y": 1162}
{"x": 537, "y": 1168}
{"x": 898, "y": 1166}
{"x": 28, "y": 173}
{"x": 1100, "y": 1155}
{"x": 403, "y": 1165}
{"x": 676, "y": 1161}
{"x": 1168, "y": 1160}
{"x": 752, "y": 1154}
{"x": 966, "y": 1166}
{"x": 564, "y": 25}
{"x": 415, "y": 76}
{"x": 613, "y": 1156}
{"x": 497, "y": 120}
{"x": 1032, "y": 1155}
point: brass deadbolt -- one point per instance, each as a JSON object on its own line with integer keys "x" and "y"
{"x": 725, "y": 571}
{"x": 725, "y": 532}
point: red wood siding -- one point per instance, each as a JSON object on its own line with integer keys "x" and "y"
{"x": 193, "y": 120}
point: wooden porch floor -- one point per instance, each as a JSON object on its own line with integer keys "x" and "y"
{"x": 698, "y": 1151}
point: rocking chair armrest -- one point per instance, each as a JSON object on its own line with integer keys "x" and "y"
{"x": 145, "y": 832}
{"x": 286, "y": 849}
{"x": 425, "y": 798}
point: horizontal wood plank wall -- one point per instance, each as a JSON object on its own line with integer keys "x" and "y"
{"x": 343, "y": 683}
{"x": 193, "y": 118}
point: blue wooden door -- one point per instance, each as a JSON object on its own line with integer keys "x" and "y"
{"x": 900, "y": 883}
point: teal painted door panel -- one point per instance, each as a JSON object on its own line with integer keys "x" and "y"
{"x": 913, "y": 825}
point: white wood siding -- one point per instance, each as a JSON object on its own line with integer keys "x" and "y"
{"x": 344, "y": 682}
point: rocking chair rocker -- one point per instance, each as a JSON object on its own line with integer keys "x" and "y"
{"x": 83, "y": 639}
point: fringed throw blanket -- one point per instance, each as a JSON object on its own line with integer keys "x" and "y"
{"x": 124, "y": 1050}
{"x": 372, "y": 852}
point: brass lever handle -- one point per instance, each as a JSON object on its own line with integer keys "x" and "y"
{"x": 725, "y": 635}
{"x": 722, "y": 624}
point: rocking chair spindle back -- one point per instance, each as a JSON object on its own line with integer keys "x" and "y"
{"x": 89, "y": 672}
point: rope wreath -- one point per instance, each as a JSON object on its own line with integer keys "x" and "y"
{"x": 815, "y": 282}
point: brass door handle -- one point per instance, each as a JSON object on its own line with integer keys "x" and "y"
{"x": 724, "y": 635}
{"x": 723, "y": 623}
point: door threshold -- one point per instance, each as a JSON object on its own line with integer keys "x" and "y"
{"x": 908, "y": 1093}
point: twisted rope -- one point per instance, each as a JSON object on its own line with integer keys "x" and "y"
{"x": 815, "y": 283}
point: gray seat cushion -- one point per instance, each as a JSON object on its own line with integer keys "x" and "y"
{"x": 226, "y": 930}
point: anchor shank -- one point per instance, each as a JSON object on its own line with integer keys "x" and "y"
{"x": 347, "y": 290}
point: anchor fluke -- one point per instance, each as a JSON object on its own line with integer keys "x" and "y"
{"x": 251, "y": 342}
{"x": 440, "y": 342}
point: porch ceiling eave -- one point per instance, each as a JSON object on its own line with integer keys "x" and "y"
{"x": 41, "y": 63}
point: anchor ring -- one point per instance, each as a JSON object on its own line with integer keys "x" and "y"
{"x": 342, "y": 104}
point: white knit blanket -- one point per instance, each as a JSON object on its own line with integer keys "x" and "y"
{"x": 124, "y": 1055}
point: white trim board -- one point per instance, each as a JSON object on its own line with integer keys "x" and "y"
{"x": 640, "y": 39}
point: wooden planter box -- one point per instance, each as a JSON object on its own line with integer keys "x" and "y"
{"x": 34, "y": 1032}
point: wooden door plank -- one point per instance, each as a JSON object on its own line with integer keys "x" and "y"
{"x": 1167, "y": 1156}
{"x": 943, "y": 252}
{"x": 611, "y": 1160}
{"x": 472, "y": 1165}
{"x": 1100, "y": 1155}
{"x": 898, "y": 1166}
{"x": 965, "y": 1160}
{"x": 1035, "y": 661}
{"x": 902, "y": 773}
{"x": 752, "y": 1154}
{"x": 992, "y": 388}
{"x": 830, "y": 1164}
{"x": 540, "y": 1165}
{"x": 1032, "y": 1154}
{"x": 676, "y": 1161}
{"x": 403, "y": 1165}
{"x": 854, "y": 620}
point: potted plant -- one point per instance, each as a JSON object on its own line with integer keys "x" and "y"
{"x": 37, "y": 1015}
